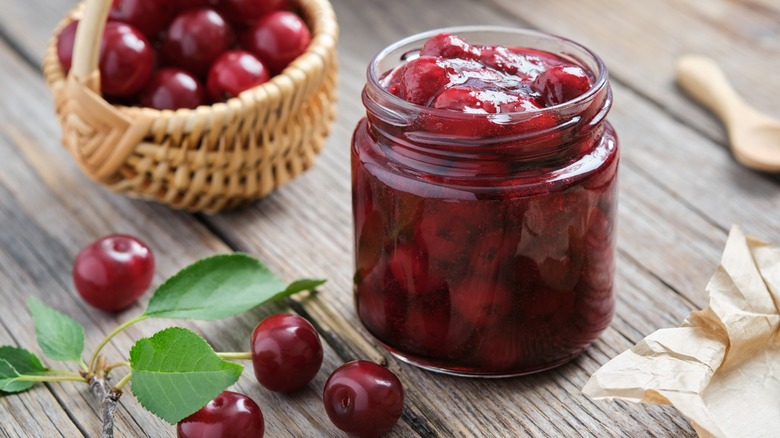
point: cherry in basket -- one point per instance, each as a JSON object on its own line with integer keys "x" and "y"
{"x": 148, "y": 16}
{"x": 233, "y": 72}
{"x": 277, "y": 39}
{"x": 65, "y": 41}
{"x": 126, "y": 60}
{"x": 126, "y": 57}
{"x": 196, "y": 38}
{"x": 173, "y": 88}
{"x": 248, "y": 11}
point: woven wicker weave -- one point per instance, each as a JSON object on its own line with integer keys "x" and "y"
{"x": 206, "y": 159}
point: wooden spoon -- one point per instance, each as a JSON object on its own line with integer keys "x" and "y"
{"x": 755, "y": 137}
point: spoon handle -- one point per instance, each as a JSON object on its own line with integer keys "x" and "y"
{"x": 705, "y": 81}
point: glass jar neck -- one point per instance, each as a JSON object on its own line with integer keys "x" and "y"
{"x": 435, "y": 140}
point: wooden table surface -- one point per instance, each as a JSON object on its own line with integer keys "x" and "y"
{"x": 680, "y": 191}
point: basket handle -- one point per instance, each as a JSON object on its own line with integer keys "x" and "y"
{"x": 99, "y": 135}
{"x": 86, "y": 48}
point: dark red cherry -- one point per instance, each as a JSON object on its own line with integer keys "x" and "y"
{"x": 277, "y": 39}
{"x": 234, "y": 72}
{"x": 448, "y": 46}
{"x": 286, "y": 352}
{"x": 173, "y": 88}
{"x": 196, "y": 38}
{"x": 65, "y": 42}
{"x": 183, "y": 5}
{"x": 249, "y": 11}
{"x": 148, "y": 16}
{"x": 229, "y": 415}
{"x": 363, "y": 398}
{"x": 481, "y": 302}
{"x": 423, "y": 78}
{"x": 561, "y": 83}
{"x": 409, "y": 266}
{"x": 126, "y": 60}
{"x": 113, "y": 272}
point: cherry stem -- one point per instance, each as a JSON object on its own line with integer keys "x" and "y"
{"x": 93, "y": 360}
{"x": 121, "y": 384}
{"x": 236, "y": 356}
{"x": 68, "y": 378}
{"x": 117, "y": 365}
{"x": 65, "y": 373}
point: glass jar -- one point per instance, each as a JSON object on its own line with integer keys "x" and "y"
{"x": 485, "y": 242}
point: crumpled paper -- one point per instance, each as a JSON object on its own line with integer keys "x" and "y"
{"x": 721, "y": 367}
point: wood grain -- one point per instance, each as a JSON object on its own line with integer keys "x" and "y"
{"x": 680, "y": 191}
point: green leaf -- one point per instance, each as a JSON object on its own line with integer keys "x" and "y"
{"x": 8, "y": 376}
{"x": 23, "y": 362}
{"x": 176, "y": 372}
{"x": 218, "y": 287}
{"x": 298, "y": 286}
{"x": 60, "y": 336}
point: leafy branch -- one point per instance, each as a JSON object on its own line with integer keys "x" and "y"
{"x": 175, "y": 372}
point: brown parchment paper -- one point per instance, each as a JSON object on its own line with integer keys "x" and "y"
{"x": 721, "y": 367}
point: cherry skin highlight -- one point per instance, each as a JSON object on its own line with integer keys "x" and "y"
{"x": 229, "y": 415}
{"x": 113, "y": 272}
{"x": 363, "y": 398}
{"x": 286, "y": 352}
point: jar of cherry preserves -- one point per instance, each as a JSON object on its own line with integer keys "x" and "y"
{"x": 484, "y": 181}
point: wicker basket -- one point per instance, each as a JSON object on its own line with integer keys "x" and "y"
{"x": 206, "y": 159}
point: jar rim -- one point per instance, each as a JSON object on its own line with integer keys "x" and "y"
{"x": 374, "y": 80}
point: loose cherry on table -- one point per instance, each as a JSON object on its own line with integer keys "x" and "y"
{"x": 286, "y": 352}
{"x": 173, "y": 88}
{"x": 229, "y": 415}
{"x": 114, "y": 271}
{"x": 277, "y": 39}
{"x": 363, "y": 398}
{"x": 233, "y": 72}
{"x": 196, "y": 38}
